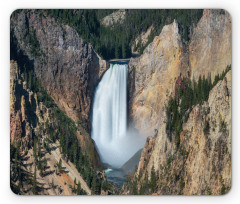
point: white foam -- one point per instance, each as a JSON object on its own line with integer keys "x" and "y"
{"x": 109, "y": 123}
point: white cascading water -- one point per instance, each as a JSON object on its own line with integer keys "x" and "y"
{"x": 109, "y": 123}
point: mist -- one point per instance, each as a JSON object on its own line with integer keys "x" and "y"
{"x": 115, "y": 143}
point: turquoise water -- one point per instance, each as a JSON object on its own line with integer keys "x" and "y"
{"x": 115, "y": 176}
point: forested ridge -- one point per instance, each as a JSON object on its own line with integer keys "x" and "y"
{"x": 116, "y": 42}
{"x": 187, "y": 95}
{"x": 61, "y": 128}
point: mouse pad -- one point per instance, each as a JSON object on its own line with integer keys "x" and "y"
{"x": 120, "y": 102}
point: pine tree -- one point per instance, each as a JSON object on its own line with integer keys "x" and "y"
{"x": 34, "y": 186}
{"x": 124, "y": 50}
{"x": 30, "y": 80}
{"x": 94, "y": 184}
{"x": 117, "y": 52}
{"x": 25, "y": 73}
{"x": 35, "y": 150}
{"x": 52, "y": 184}
{"x": 199, "y": 91}
{"x": 60, "y": 166}
{"x": 79, "y": 192}
{"x": 153, "y": 179}
{"x": 134, "y": 185}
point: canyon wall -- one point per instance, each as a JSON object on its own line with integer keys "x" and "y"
{"x": 22, "y": 110}
{"x": 211, "y": 44}
{"x": 67, "y": 66}
{"x": 152, "y": 77}
{"x": 29, "y": 120}
{"x": 69, "y": 70}
{"x": 202, "y": 164}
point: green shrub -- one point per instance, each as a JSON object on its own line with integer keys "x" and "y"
{"x": 206, "y": 128}
{"x": 188, "y": 94}
{"x": 223, "y": 126}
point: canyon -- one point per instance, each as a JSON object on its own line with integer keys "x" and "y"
{"x": 70, "y": 71}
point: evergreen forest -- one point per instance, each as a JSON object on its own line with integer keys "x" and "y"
{"x": 116, "y": 41}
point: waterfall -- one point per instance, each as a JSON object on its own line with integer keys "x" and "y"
{"x": 109, "y": 123}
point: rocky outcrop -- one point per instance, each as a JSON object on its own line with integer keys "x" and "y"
{"x": 205, "y": 154}
{"x": 29, "y": 119}
{"x": 22, "y": 110}
{"x": 152, "y": 75}
{"x": 146, "y": 153}
{"x": 129, "y": 166}
{"x": 67, "y": 66}
{"x": 202, "y": 165}
{"x": 211, "y": 44}
{"x": 207, "y": 168}
{"x": 151, "y": 78}
{"x": 117, "y": 17}
{"x": 142, "y": 40}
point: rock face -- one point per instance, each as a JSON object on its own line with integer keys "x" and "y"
{"x": 26, "y": 113}
{"x": 22, "y": 110}
{"x": 152, "y": 75}
{"x": 208, "y": 164}
{"x": 115, "y": 17}
{"x": 68, "y": 67}
{"x": 151, "y": 78}
{"x": 211, "y": 44}
{"x": 143, "y": 38}
{"x": 29, "y": 119}
{"x": 132, "y": 163}
{"x": 202, "y": 165}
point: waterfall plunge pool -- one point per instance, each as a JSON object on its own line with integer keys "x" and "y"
{"x": 115, "y": 176}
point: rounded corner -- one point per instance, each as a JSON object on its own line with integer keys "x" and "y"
{"x": 227, "y": 12}
{"x": 227, "y": 191}
{"x": 12, "y": 190}
{"x": 14, "y": 12}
